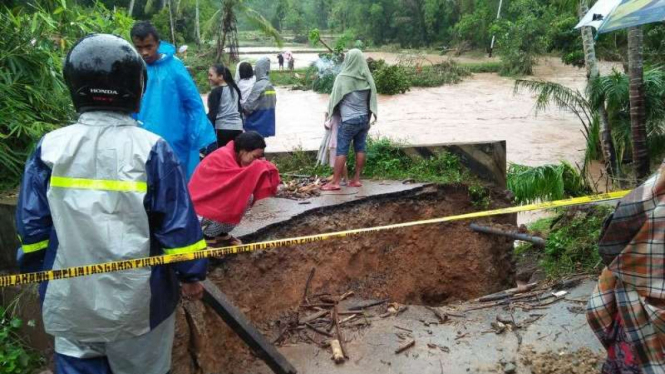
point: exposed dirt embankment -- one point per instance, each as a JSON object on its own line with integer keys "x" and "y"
{"x": 429, "y": 264}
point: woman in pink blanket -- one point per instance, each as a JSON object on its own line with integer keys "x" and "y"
{"x": 228, "y": 182}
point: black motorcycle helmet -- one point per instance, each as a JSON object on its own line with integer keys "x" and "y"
{"x": 104, "y": 72}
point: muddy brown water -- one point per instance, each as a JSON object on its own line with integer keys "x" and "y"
{"x": 429, "y": 265}
{"x": 481, "y": 108}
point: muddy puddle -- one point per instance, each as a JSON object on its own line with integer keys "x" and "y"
{"x": 424, "y": 265}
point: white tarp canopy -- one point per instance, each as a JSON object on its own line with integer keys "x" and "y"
{"x": 598, "y": 12}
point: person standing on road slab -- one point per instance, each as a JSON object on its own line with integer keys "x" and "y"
{"x": 354, "y": 99}
{"x": 172, "y": 107}
{"x": 104, "y": 190}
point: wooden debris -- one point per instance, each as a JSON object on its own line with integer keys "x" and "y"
{"x": 313, "y": 316}
{"x": 324, "y": 333}
{"x": 367, "y": 304}
{"x": 338, "y": 332}
{"x": 442, "y": 317}
{"x": 507, "y": 293}
{"x": 394, "y": 309}
{"x": 309, "y": 280}
{"x": 403, "y": 328}
{"x": 347, "y": 319}
{"x": 405, "y": 346}
{"x": 337, "y": 353}
{"x": 301, "y": 187}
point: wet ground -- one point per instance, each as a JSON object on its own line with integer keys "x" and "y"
{"x": 559, "y": 341}
{"x": 481, "y": 108}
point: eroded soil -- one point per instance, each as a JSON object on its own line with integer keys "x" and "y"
{"x": 430, "y": 264}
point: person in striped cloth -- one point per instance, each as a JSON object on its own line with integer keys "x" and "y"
{"x": 627, "y": 309}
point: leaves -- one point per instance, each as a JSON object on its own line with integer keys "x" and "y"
{"x": 545, "y": 183}
{"x": 35, "y": 98}
{"x": 15, "y": 357}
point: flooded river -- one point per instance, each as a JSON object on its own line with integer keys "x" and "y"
{"x": 481, "y": 108}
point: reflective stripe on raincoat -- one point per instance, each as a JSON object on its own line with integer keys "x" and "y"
{"x": 105, "y": 190}
{"x": 260, "y": 105}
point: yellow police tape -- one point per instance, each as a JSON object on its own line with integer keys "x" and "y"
{"x": 80, "y": 271}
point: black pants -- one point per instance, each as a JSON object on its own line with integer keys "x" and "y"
{"x": 225, "y": 136}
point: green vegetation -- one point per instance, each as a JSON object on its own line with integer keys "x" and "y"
{"x": 389, "y": 79}
{"x": 572, "y": 241}
{"x": 547, "y": 182}
{"x": 520, "y": 39}
{"x": 482, "y": 67}
{"x": 15, "y": 356}
{"x": 35, "y": 99}
{"x": 386, "y": 160}
{"x": 611, "y": 92}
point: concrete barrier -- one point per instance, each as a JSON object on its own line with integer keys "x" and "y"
{"x": 8, "y": 239}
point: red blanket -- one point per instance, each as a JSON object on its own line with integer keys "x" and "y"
{"x": 220, "y": 188}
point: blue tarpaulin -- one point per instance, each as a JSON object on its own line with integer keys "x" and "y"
{"x": 172, "y": 108}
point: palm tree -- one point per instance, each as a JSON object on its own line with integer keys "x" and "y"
{"x": 591, "y": 64}
{"x": 562, "y": 97}
{"x": 224, "y": 23}
{"x": 637, "y": 109}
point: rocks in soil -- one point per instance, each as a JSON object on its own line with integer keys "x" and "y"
{"x": 582, "y": 361}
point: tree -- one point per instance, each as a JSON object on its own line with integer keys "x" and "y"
{"x": 591, "y": 64}
{"x": 521, "y": 38}
{"x": 198, "y": 25}
{"x": 171, "y": 22}
{"x": 224, "y": 23}
{"x": 637, "y": 110}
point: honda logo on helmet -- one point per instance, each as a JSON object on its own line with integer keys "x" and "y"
{"x": 103, "y": 91}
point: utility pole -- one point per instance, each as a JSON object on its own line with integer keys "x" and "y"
{"x": 498, "y": 16}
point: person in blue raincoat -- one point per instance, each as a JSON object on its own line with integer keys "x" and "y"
{"x": 260, "y": 105}
{"x": 172, "y": 107}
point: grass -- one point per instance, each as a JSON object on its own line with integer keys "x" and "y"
{"x": 296, "y": 77}
{"x": 299, "y": 162}
{"x": 572, "y": 241}
{"x": 482, "y": 67}
{"x": 386, "y": 160}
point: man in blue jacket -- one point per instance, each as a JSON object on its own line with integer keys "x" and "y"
{"x": 172, "y": 107}
{"x": 101, "y": 190}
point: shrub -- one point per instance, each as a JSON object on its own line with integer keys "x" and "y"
{"x": 15, "y": 357}
{"x": 35, "y": 99}
{"x": 547, "y": 182}
{"x": 572, "y": 241}
{"x": 391, "y": 80}
{"x": 448, "y": 72}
